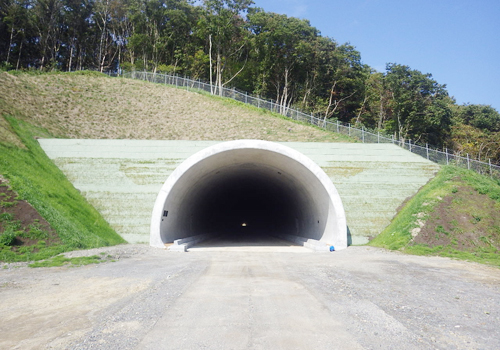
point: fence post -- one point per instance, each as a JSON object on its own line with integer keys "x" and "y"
{"x": 311, "y": 119}
{"x": 446, "y": 151}
{"x": 409, "y": 145}
{"x": 378, "y": 136}
{"x": 337, "y": 126}
{"x": 349, "y": 129}
{"x": 468, "y": 162}
{"x": 489, "y": 162}
{"x": 427, "y": 150}
{"x": 392, "y": 139}
{"x": 258, "y": 102}
{"x": 363, "y": 134}
{"x": 246, "y": 97}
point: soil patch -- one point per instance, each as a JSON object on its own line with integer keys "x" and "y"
{"x": 465, "y": 220}
{"x": 19, "y": 219}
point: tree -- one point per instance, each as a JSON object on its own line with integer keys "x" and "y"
{"x": 282, "y": 47}
{"x": 418, "y": 106}
{"x": 483, "y": 117}
{"x": 48, "y": 22}
{"x": 16, "y": 24}
{"x": 78, "y": 32}
{"x": 222, "y": 25}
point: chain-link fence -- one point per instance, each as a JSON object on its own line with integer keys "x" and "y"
{"x": 364, "y": 135}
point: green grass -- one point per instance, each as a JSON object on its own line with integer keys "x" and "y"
{"x": 61, "y": 260}
{"x": 397, "y": 236}
{"x": 38, "y": 181}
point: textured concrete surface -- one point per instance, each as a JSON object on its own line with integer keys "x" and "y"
{"x": 243, "y": 295}
{"x": 122, "y": 178}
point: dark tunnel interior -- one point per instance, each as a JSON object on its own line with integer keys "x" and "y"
{"x": 245, "y": 202}
{"x": 246, "y": 205}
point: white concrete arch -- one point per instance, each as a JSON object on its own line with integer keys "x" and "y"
{"x": 269, "y": 187}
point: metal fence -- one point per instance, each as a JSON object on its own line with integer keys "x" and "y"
{"x": 364, "y": 135}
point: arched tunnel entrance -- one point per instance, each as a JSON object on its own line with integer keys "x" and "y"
{"x": 249, "y": 188}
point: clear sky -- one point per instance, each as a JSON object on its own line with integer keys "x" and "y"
{"x": 457, "y": 41}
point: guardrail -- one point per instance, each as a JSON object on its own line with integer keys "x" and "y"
{"x": 364, "y": 135}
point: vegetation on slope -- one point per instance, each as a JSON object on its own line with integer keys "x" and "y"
{"x": 93, "y": 106}
{"x": 455, "y": 215}
{"x": 41, "y": 213}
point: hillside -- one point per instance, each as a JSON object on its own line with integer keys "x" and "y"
{"x": 93, "y": 106}
{"x": 457, "y": 214}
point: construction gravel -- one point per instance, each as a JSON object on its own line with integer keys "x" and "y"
{"x": 220, "y": 297}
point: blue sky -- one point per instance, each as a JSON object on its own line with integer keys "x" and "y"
{"x": 457, "y": 41}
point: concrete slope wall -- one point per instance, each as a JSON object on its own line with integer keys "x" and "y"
{"x": 122, "y": 178}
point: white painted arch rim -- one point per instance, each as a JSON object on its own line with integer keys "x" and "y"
{"x": 307, "y": 191}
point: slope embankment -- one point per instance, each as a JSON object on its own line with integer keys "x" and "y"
{"x": 92, "y": 105}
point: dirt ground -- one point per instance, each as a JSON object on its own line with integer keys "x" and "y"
{"x": 253, "y": 297}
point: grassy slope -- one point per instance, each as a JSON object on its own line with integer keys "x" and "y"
{"x": 91, "y": 105}
{"x": 456, "y": 215}
{"x": 38, "y": 181}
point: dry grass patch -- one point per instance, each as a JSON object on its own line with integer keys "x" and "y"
{"x": 92, "y": 106}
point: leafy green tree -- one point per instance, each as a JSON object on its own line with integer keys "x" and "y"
{"x": 343, "y": 83}
{"x": 372, "y": 112}
{"x": 418, "y": 106}
{"x": 221, "y": 24}
{"x": 78, "y": 34}
{"x": 17, "y": 28}
{"x": 483, "y": 117}
{"x": 282, "y": 47}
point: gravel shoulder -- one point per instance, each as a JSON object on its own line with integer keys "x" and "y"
{"x": 358, "y": 298}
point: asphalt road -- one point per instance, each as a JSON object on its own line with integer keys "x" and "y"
{"x": 238, "y": 295}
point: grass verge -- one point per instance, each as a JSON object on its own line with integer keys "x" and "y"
{"x": 455, "y": 215}
{"x": 61, "y": 260}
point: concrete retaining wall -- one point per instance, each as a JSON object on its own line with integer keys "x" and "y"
{"x": 122, "y": 178}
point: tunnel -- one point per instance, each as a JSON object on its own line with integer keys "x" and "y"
{"x": 249, "y": 188}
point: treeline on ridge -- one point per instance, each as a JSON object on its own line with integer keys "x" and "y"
{"x": 233, "y": 44}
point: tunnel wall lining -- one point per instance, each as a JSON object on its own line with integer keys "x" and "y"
{"x": 334, "y": 229}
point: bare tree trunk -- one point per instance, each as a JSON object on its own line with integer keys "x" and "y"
{"x": 335, "y": 103}
{"x": 284, "y": 96}
{"x": 104, "y": 18}
{"x": 70, "y": 57}
{"x": 330, "y": 102}
{"x": 361, "y": 109}
{"x": 10, "y": 44}
{"x": 19, "y": 56}
{"x": 210, "y": 58}
{"x": 381, "y": 114}
{"x": 219, "y": 73}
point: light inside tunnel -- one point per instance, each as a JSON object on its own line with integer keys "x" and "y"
{"x": 249, "y": 187}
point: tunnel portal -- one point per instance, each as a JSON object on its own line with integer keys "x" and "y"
{"x": 248, "y": 187}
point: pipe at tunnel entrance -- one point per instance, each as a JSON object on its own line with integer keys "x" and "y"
{"x": 249, "y": 187}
